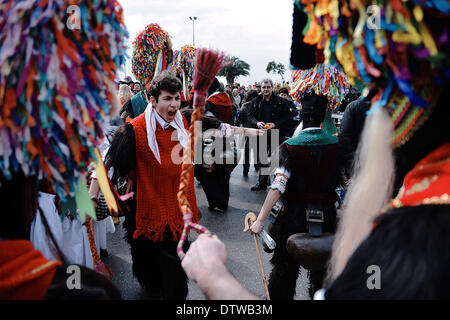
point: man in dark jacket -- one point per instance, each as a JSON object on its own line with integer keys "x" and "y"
{"x": 351, "y": 128}
{"x": 268, "y": 111}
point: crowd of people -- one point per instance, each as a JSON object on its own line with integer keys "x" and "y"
{"x": 80, "y": 150}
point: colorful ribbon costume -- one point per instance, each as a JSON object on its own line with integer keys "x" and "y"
{"x": 56, "y": 90}
{"x": 152, "y": 52}
{"x": 391, "y": 45}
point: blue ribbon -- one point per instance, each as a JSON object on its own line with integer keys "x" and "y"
{"x": 360, "y": 66}
{"x": 440, "y": 5}
{"x": 391, "y": 26}
{"x": 384, "y": 98}
{"x": 406, "y": 88}
{"x": 341, "y": 43}
{"x": 369, "y": 40}
{"x": 333, "y": 41}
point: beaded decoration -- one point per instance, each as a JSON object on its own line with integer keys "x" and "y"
{"x": 408, "y": 118}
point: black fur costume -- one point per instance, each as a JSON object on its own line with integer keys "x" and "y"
{"x": 314, "y": 181}
{"x": 282, "y": 280}
{"x": 409, "y": 244}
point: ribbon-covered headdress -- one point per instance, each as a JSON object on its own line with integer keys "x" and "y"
{"x": 57, "y": 70}
{"x": 323, "y": 80}
{"x": 152, "y": 52}
{"x": 400, "y": 47}
{"x": 183, "y": 65}
{"x": 183, "y": 61}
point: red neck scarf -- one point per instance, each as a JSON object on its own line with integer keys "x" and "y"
{"x": 25, "y": 274}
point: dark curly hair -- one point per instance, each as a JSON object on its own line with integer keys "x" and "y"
{"x": 166, "y": 81}
{"x": 283, "y": 90}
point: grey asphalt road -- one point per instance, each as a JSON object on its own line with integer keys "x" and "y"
{"x": 228, "y": 226}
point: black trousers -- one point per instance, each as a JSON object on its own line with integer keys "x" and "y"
{"x": 266, "y": 150}
{"x": 246, "y": 156}
{"x": 215, "y": 184}
{"x": 157, "y": 267}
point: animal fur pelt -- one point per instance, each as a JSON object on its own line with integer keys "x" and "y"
{"x": 410, "y": 248}
{"x": 158, "y": 268}
{"x": 122, "y": 153}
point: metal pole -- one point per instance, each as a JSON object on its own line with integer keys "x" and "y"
{"x": 193, "y": 30}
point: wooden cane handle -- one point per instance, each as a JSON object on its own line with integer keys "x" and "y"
{"x": 250, "y": 216}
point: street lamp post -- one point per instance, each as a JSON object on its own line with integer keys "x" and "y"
{"x": 193, "y": 22}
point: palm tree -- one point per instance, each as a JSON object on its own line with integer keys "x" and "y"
{"x": 273, "y": 67}
{"x": 231, "y": 72}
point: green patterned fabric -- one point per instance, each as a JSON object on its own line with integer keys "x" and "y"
{"x": 138, "y": 104}
{"x": 314, "y": 137}
{"x": 328, "y": 124}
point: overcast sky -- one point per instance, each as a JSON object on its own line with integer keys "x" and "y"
{"x": 256, "y": 31}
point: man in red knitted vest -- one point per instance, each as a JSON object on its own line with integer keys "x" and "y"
{"x": 148, "y": 151}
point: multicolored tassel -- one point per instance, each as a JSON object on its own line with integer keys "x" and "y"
{"x": 57, "y": 89}
{"x": 391, "y": 44}
{"x": 149, "y": 45}
{"x": 323, "y": 80}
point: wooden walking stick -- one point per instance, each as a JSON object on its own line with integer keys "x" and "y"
{"x": 252, "y": 217}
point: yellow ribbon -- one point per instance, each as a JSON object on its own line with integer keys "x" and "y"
{"x": 321, "y": 8}
{"x": 358, "y": 39}
{"x": 410, "y": 36}
{"x": 334, "y": 12}
{"x": 346, "y": 58}
{"x": 327, "y": 51}
{"x": 427, "y": 39}
{"x": 418, "y": 13}
{"x": 103, "y": 182}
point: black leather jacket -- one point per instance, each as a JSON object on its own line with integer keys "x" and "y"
{"x": 281, "y": 115}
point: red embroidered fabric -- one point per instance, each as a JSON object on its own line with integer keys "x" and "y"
{"x": 25, "y": 274}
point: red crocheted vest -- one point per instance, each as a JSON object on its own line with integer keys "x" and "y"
{"x": 157, "y": 184}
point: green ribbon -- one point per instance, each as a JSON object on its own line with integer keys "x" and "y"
{"x": 83, "y": 201}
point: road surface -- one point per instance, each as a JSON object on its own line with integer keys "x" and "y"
{"x": 228, "y": 226}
